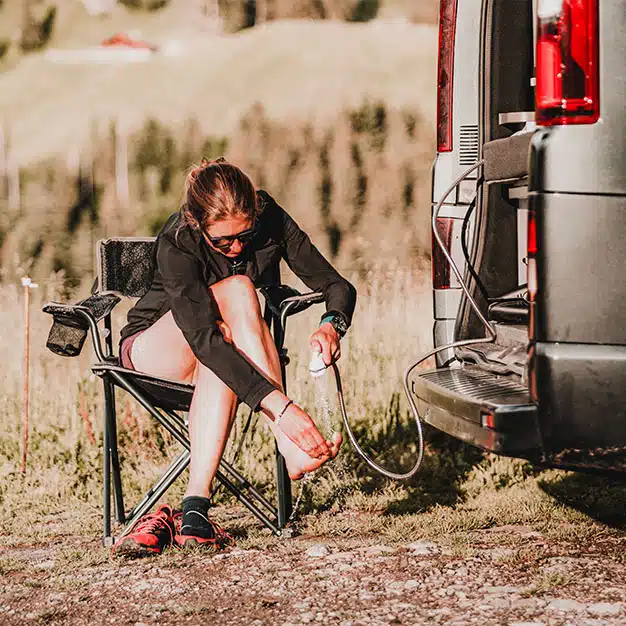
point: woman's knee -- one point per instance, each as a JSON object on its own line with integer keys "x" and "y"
{"x": 237, "y": 301}
{"x": 234, "y": 288}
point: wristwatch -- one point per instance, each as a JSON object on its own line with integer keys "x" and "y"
{"x": 338, "y": 322}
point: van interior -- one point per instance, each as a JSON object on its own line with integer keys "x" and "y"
{"x": 497, "y": 255}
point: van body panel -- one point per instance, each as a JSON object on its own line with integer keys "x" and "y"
{"x": 448, "y": 166}
{"x": 581, "y": 267}
{"x": 580, "y": 394}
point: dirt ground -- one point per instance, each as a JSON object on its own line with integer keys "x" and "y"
{"x": 511, "y": 575}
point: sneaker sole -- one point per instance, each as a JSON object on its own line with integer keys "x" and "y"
{"x": 131, "y": 549}
{"x": 196, "y": 542}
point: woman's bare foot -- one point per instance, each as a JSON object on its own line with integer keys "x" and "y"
{"x": 298, "y": 427}
{"x": 299, "y": 462}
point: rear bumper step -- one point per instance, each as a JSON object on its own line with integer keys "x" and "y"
{"x": 484, "y": 409}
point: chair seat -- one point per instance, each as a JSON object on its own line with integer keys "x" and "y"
{"x": 169, "y": 394}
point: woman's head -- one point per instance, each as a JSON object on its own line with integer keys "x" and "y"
{"x": 221, "y": 202}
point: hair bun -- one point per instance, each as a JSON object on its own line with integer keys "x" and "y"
{"x": 204, "y": 163}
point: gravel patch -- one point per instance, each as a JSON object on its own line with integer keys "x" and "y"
{"x": 344, "y": 582}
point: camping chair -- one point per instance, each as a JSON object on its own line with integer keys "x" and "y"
{"x": 125, "y": 267}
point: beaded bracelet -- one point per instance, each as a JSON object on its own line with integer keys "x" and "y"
{"x": 280, "y": 415}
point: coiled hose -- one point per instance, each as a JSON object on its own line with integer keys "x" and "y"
{"x": 491, "y": 336}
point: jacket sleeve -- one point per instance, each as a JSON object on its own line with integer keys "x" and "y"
{"x": 311, "y": 266}
{"x": 193, "y": 309}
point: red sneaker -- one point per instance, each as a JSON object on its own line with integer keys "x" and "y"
{"x": 221, "y": 540}
{"x": 149, "y": 535}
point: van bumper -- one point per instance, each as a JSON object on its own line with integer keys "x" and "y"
{"x": 580, "y": 392}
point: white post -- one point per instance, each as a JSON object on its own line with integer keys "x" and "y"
{"x": 27, "y": 284}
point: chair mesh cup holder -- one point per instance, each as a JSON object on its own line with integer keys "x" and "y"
{"x": 125, "y": 267}
{"x": 66, "y": 337}
{"x": 70, "y": 325}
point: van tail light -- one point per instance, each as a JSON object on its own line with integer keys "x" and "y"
{"x": 445, "y": 69}
{"x": 441, "y": 267}
{"x": 532, "y": 255}
{"x": 531, "y": 279}
{"x": 567, "y": 86}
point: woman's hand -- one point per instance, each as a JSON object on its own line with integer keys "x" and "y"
{"x": 297, "y": 426}
{"x": 326, "y": 340}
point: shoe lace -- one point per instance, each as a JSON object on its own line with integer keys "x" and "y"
{"x": 222, "y": 536}
{"x": 152, "y": 522}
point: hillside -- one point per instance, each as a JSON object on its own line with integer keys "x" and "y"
{"x": 296, "y": 69}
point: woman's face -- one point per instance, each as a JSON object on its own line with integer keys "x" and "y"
{"x": 222, "y": 235}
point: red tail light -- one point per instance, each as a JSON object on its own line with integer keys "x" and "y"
{"x": 441, "y": 267}
{"x": 567, "y": 62}
{"x": 445, "y": 68}
{"x": 532, "y": 234}
{"x": 532, "y": 256}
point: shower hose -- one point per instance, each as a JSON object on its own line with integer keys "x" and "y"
{"x": 491, "y": 336}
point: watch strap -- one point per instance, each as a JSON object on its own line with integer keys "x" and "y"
{"x": 337, "y": 320}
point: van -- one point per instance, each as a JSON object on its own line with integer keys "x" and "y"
{"x": 529, "y": 202}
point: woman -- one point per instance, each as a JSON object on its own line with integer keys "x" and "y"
{"x": 201, "y": 322}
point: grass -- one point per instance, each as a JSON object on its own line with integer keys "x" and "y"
{"x": 66, "y": 406}
{"x": 458, "y": 495}
{"x": 8, "y": 565}
{"x": 548, "y": 583}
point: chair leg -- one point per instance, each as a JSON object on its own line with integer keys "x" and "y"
{"x": 283, "y": 482}
{"x": 115, "y": 462}
{"x": 175, "y": 469}
{"x": 106, "y": 460}
{"x": 283, "y": 486}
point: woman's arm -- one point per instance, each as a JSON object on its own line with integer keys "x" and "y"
{"x": 309, "y": 264}
{"x": 193, "y": 310}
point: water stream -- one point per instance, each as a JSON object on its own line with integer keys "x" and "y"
{"x": 325, "y": 419}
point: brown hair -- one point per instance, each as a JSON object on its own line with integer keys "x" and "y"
{"x": 216, "y": 190}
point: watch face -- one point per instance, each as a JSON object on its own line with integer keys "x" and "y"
{"x": 339, "y": 325}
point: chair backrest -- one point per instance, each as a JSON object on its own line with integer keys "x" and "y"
{"x": 125, "y": 265}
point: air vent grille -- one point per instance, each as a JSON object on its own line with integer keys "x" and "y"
{"x": 468, "y": 142}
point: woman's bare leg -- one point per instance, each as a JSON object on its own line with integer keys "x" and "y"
{"x": 211, "y": 416}
{"x": 213, "y": 405}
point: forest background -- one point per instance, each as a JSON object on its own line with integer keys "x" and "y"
{"x": 334, "y": 117}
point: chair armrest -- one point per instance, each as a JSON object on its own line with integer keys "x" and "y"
{"x": 96, "y": 305}
{"x": 296, "y": 304}
{"x": 72, "y": 322}
{"x": 283, "y": 300}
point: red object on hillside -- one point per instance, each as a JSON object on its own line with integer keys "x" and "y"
{"x": 122, "y": 40}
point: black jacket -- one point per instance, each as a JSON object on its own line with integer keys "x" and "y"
{"x": 185, "y": 267}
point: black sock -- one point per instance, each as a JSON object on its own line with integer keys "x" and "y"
{"x": 195, "y": 517}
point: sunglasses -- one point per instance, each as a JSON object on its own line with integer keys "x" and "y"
{"x": 225, "y": 243}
